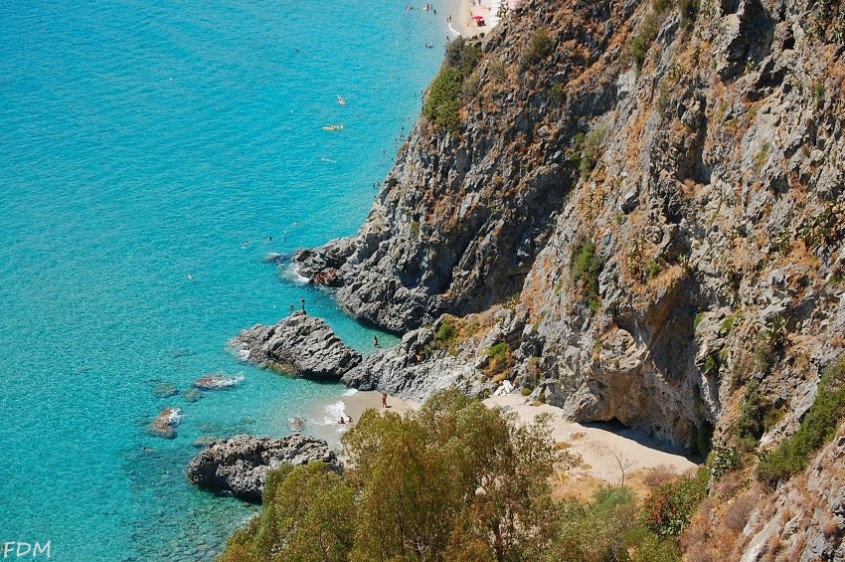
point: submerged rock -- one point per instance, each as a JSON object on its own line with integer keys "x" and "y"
{"x": 299, "y": 345}
{"x": 192, "y": 395}
{"x": 165, "y": 390}
{"x": 239, "y": 466}
{"x": 165, "y": 423}
{"x": 217, "y": 381}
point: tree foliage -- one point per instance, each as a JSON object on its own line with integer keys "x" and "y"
{"x": 453, "y": 482}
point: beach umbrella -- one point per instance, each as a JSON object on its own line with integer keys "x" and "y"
{"x": 478, "y": 18}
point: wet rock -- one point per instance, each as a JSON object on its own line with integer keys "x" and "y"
{"x": 299, "y": 345}
{"x": 165, "y": 423}
{"x": 239, "y": 466}
{"x": 217, "y": 381}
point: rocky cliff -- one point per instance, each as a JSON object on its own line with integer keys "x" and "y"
{"x": 635, "y": 211}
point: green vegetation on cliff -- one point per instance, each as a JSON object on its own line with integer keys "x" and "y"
{"x": 817, "y": 428}
{"x": 443, "y": 104}
{"x": 453, "y": 482}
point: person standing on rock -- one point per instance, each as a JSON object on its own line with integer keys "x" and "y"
{"x": 384, "y": 400}
{"x": 302, "y": 304}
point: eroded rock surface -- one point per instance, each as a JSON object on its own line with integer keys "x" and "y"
{"x": 298, "y": 345}
{"x": 239, "y": 465}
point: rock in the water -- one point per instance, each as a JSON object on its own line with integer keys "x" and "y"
{"x": 296, "y": 423}
{"x": 217, "y": 381}
{"x": 204, "y": 441}
{"x": 275, "y": 258}
{"x": 165, "y": 390}
{"x": 192, "y": 395}
{"x": 239, "y": 466}
{"x": 165, "y": 423}
{"x": 300, "y": 345}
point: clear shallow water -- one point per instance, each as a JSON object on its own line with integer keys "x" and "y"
{"x": 141, "y": 143}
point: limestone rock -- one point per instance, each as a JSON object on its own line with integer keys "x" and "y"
{"x": 239, "y": 466}
{"x": 298, "y": 345}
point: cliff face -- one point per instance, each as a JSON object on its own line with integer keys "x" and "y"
{"x": 648, "y": 199}
{"x": 461, "y": 218}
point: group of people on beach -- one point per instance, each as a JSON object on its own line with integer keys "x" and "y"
{"x": 348, "y": 420}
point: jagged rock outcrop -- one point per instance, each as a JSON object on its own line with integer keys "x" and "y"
{"x": 659, "y": 224}
{"x": 418, "y": 367}
{"x": 804, "y": 520}
{"x": 298, "y": 345}
{"x": 239, "y": 465}
{"x": 655, "y": 204}
{"x": 461, "y": 219}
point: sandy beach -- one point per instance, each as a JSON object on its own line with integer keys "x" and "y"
{"x": 604, "y": 453}
{"x": 323, "y": 422}
{"x": 463, "y": 13}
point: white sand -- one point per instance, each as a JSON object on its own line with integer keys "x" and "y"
{"x": 601, "y": 450}
{"x": 604, "y": 453}
{"x": 464, "y": 10}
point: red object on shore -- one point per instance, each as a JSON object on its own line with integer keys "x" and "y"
{"x": 478, "y": 18}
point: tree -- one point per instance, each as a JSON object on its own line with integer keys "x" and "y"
{"x": 454, "y": 482}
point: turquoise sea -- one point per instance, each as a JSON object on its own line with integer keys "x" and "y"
{"x": 148, "y": 152}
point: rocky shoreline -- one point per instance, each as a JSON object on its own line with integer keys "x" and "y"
{"x": 239, "y": 466}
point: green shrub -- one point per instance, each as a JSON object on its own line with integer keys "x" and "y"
{"x": 727, "y": 324}
{"x": 711, "y": 365}
{"x": 699, "y": 316}
{"x": 462, "y": 55}
{"x": 643, "y": 39}
{"x": 689, "y": 13}
{"x": 754, "y": 417}
{"x": 703, "y": 438}
{"x": 557, "y": 93}
{"x": 818, "y": 427}
{"x": 770, "y": 344}
{"x": 498, "y": 351}
{"x": 669, "y": 508}
{"x": 499, "y": 358}
{"x": 592, "y": 145}
{"x": 722, "y": 460}
{"x": 662, "y": 6}
{"x": 586, "y": 266}
{"x": 605, "y": 530}
{"x": 653, "y": 269}
{"x": 442, "y": 106}
{"x": 539, "y": 47}
{"x": 446, "y": 332}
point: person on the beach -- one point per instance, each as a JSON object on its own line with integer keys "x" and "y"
{"x": 349, "y": 420}
{"x": 383, "y": 400}
{"x": 375, "y": 341}
{"x": 302, "y": 304}
{"x": 340, "y": 421}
